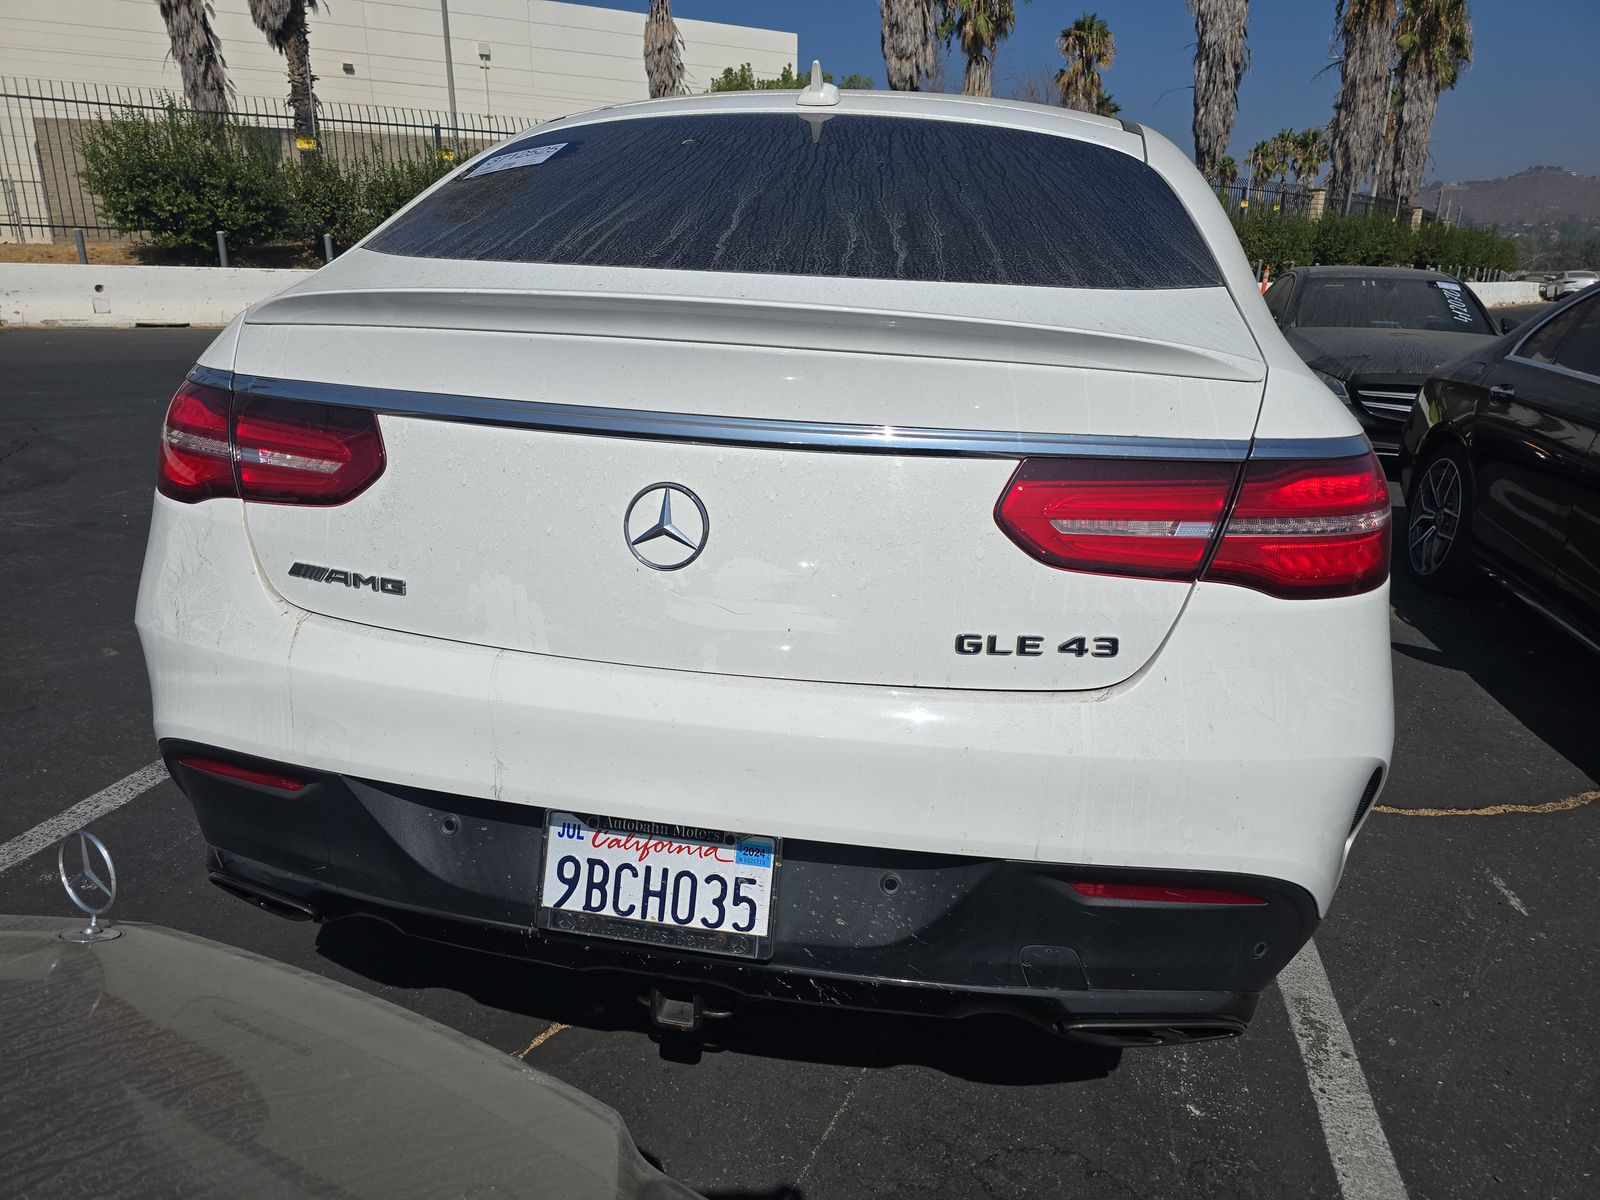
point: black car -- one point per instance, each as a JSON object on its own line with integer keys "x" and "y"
{"x": 1501, "y": 464}
{"x": 1373, "y": 334}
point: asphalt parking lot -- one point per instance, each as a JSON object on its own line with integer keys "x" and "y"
{"x": 1461, "y": 952}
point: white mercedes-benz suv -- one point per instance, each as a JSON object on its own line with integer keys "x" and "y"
{"x": 872, "y": 549}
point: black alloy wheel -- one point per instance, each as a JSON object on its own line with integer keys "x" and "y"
{"x": 1439, "y": 522}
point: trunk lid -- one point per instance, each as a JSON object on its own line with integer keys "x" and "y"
{"x": 846, "y": 446}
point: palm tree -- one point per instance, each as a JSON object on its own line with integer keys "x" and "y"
{"x": 1310, "y": 152}
{"x": 663, "y": 51}
{"x": 1087, "y": 45}
{"x": 1366, "y": 29}
{"x": 284, "y": 23}
{"x": 1221, "y": 58}
{"x": 1435, "y": 42}
{"x": 198, "y": 53}
{"x": 1225, "y": 172}
{"x": 1286, "y": 153}
{"x": 980, "y": 25}
{"x": 909, "y": 28}
{"x": 1105, "y": 104}
{"x": 1263, "y": 161}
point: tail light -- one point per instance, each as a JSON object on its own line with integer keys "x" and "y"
{"x": 298, "y": 453}
{"x": 1307, "y": 528}
{"x": 196, "y": 454}
{"x": 278, "y": 451}
{"x": 1301, "y": 528}
{"x": 1117, "y": 516}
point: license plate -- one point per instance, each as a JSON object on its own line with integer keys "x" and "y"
{"x": 673, "y": 886}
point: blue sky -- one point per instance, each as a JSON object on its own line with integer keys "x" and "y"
{"x": 1532, "y": 95}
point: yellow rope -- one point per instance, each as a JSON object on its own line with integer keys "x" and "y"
{"x": 1493, "y": 810}
{"x": 555, "y": 1028}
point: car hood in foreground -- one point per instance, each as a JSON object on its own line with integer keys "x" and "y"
{"x": 164, "y": 1064}
{"x": 1388, "y": 353}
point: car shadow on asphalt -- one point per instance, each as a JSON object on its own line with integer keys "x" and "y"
{"x": 1541, "y": 676}
{"x": 986, "y": 1048}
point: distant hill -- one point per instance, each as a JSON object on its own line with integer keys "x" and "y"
{"x": 1539, "y": 196}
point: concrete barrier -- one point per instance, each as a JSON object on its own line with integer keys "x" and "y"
{"x": 122, "y": 297}
{"x": 1496, "y": 294}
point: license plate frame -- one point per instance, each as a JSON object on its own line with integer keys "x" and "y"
{"x": 722, "y": 943}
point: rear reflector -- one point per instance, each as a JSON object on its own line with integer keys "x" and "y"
{"x": 1297, "y": 529}
{"x": 276, "y": 451}
{"x": 1156, "y": 894}
{"x": 271, "y": 779}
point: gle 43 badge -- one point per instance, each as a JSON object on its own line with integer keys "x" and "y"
{"x": 1029, "y": 645}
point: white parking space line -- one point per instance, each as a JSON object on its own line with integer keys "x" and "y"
{"x": 1511, "y": 897}
{"x": 1362, "y": 1159}
{"x": 47, "y": 833}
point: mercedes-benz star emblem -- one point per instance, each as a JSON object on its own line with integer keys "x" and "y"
{"x": 666, "y": 526}
{"x": 92, "y": 886}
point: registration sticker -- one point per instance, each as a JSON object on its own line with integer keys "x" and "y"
{"x": 530, "y": 157}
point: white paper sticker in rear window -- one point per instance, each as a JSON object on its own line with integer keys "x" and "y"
{"x": 515, "y": 158}
{"x": 843, "y": 195}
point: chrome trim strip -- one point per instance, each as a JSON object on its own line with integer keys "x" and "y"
{"x": 746, "y": 431}
{"x": 1406, "y": 396}
{"x": 210, "y": 377}
{"x": 1526, "y": 331}
{"x": 1556, "y": 368}
{"x": 1339, "y": 447}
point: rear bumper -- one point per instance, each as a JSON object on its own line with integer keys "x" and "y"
{"x": 1243, "y": 747}
{"x": 945, "y": 935}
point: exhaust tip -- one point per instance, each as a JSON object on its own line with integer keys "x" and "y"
{"x": 275, "y": 902}
{"x": 1127, "y": 1034}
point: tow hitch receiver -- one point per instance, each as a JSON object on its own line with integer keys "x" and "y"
{"x": 677, "y": 1013}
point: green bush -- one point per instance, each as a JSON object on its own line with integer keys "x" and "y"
{"x": 1372, "y": 240}
{"x": 180, "y": 176}
{"x": 350, "y": 197}
{"x": 1277, "y": 240}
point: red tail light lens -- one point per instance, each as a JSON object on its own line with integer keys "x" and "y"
{"x": 1307, "y": 528}
{"x": 279, "y": 451}
{"x": 1152, "y": 519}
{"x": 1298, "y": 528}
{"x": 1159, "y": 894}
{"x": 298, "y": 453}
{"x": 196, "y": 456}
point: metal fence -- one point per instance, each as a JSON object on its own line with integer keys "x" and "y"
{"x": 1281, "y": 200}
{"x": 42, "y": 123}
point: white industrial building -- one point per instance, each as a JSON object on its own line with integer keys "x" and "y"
{"x": 516, "y": 62}
{"x": 545, "y": 58}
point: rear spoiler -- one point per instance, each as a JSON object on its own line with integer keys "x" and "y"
{"x": 759, "y": 323}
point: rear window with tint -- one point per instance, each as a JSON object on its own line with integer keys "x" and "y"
{"x": 819, "y": 194}
{"x": 1390, "y": 302}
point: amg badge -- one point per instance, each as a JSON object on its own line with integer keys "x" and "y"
{"x": 354, "y": 579}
